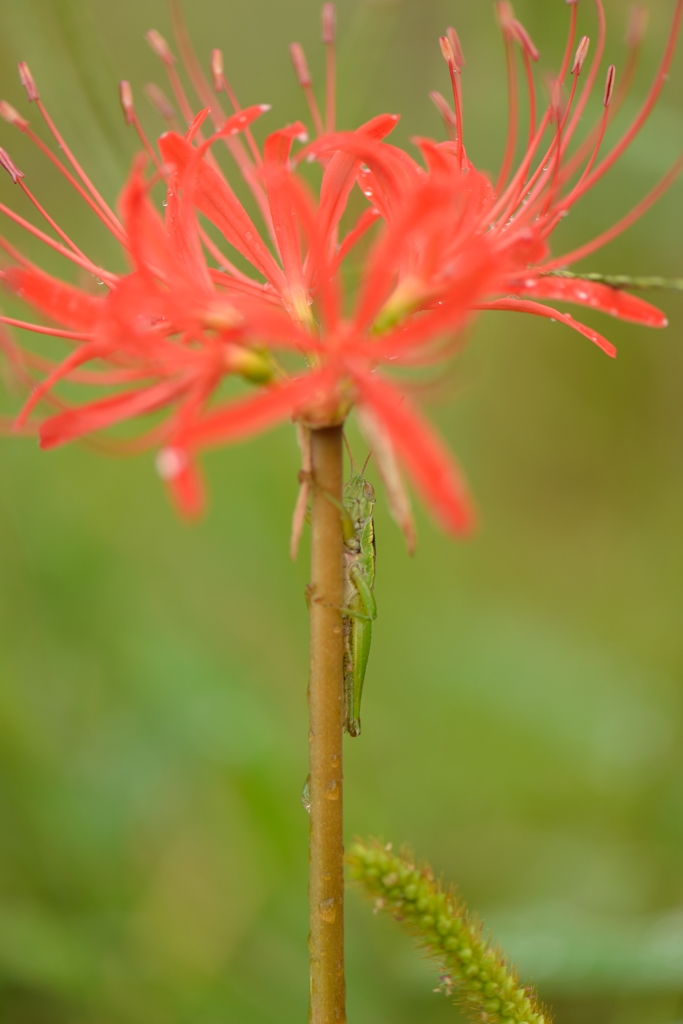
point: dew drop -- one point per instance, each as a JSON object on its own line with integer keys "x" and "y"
{"x": 306, "y": 795}
{"x": 328, "y": 910}
{"x": 332, "y": 790}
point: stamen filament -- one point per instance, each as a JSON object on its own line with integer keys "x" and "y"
{"x": 304, "y": 79}
{"x": 79, "y": 260}
{"x": 53, "y": 332}
{"x": 101, "y": 202}
{"x": 453, "y": 70}
{"x": 513, "y": 114}
{"x": 329, "y": 33}
{"x": 53, "y": 224}
{"x": 650, "y": 100}
{"x": 635, "y": 214}
{"x": 131, "y": 117}
{"x": 220, "y": 84}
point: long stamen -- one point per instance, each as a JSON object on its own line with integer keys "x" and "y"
{"x": 53, "y": 224}
{"x": 635, "y": 34}
{"x": 329, "y": 26}
{"x": 161, "y": 49}
{"x": 9, "y": 114}
{"x": 531, "y": 88}
{"x": 504, "y": 15}
{"x": 513, "y": 194}
{"x": 193, "y": 67}
{"x": 29, "y": 84}
{"x": 131, "y": 117}
{"x": 579, "y": 60}
{"x": 81, "y": 261}
{"x": 203, "y": 90}
{"x": 534, "y": 187}
{"x": 303, "y": 77}
{"x": 207, "y": 97}
{"x": 161, "y": 103}
{"x": 53, "y": 332}
{"x": 579, "y": 188}
{"x": 617, "y": 229}
{"x": 447, "y": 115}
{"x": 220, "y": 84}
{"x": 448, "y": 55}
{"x": 591, "y": 76}
{"x": 650, "y": 100}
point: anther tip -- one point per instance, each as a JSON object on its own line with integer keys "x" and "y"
{"x": 126, "y": 100}
{"x": 609, "y": 85}
{"x": 28, "y": 82}
{"x": 12, "y": 116}
{"x": 447, "y": 52}
{"x": 217, "y": 69}
{"x": 300, "y": 65}
{"x": 329, "y": 23}
{"x": 159, "y": 46}
{"x": 456, "y": 46}
{"x": 9, "y": 165}
{"x": 580, "y": 56}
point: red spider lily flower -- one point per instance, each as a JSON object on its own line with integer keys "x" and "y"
{"x": 448, "y": 243}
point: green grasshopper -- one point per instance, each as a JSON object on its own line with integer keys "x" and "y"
{"x": 360, "y": 609}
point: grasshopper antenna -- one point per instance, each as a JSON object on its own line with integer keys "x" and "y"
{"x": 349, "y": 453}
{"x": 365, "y": 464}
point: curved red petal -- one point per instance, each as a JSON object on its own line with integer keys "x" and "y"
{"x": 187, "y": 490}
{"x": 248, "y": 416}
{"x": 62, "y": 302}
{"x": 340, "y": 175}
{"x": 67, "y": 426}
{"x": 276, "y": 152}
{"x": 537, "y": 309}
{"x": 216, "y": 200}
{"x": 424, "y": 455}
{"x": 595, "y": 295}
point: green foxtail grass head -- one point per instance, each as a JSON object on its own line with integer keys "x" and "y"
{"x": 474, "y": 969}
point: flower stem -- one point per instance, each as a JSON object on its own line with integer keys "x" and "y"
{"x": 326, "y": 716}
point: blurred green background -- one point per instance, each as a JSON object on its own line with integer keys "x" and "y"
{"x": 524, "y": 705}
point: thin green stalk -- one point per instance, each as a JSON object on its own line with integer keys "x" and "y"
{"x": 625, "y": 281}
{"x": 483, "y": 982}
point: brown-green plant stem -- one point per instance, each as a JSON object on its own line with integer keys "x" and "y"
{"x": 483, "y": 982}
{"x": 326, "y": 717}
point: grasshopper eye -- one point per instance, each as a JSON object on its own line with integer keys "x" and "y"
{"x": 369, "y": 491}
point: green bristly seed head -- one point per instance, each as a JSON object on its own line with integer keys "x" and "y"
{"x": 486, "y": 986}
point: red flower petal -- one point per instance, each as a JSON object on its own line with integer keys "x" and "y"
{"x": 425, "y": 457}
{"x": 276, "y": 152}
{"x": 216, "y": 200}
{"x": 108, "y": 411}
{"x": 248, "y": 416}
{"x": 537, "y": 309}
{"x": 62, "y": 302}
{"x": 340, "y": 175}
{"x": 609, "y": 300}
{"x": 187, "y": 490}
{"x": 145, "y": 229}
